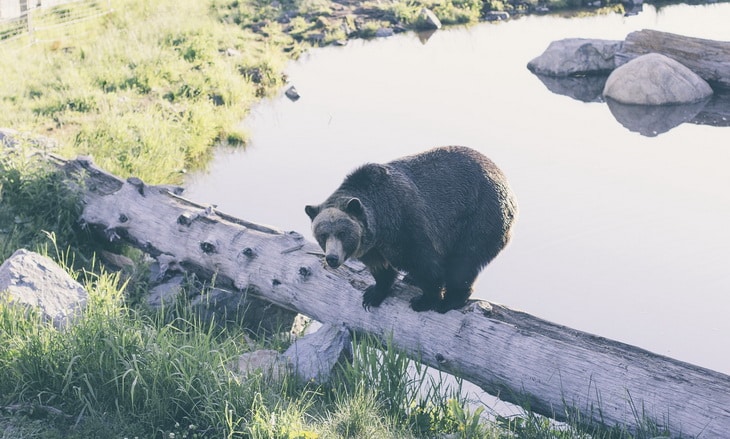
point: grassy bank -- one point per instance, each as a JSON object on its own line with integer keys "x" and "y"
{"x": 147, "y": 90}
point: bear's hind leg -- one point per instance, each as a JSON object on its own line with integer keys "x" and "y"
{"x": 460, "y": 276}
{"x": 431, "y": 284}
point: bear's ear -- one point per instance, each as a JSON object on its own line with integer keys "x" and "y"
{"x": 312, "y": 211}
{"x": 354, "y": 207}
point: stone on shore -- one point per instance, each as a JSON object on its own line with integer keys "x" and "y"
{"x": 35, "y": 281}
{"x": 427, "y": 20}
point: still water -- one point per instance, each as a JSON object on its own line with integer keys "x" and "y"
{"x": 620, "y": 234}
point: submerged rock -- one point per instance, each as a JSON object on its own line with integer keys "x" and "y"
{"x": 655, "y": 79}
{"x": 292, "y": 94}
{"x": 575, "y": 56}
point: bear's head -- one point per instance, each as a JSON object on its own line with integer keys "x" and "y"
{"x": 338, "y": 229}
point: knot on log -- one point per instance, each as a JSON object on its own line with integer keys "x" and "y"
{"x": 185, "y": 219}
{"x": 138, "y": 183}
{"x": 207, "y": 247}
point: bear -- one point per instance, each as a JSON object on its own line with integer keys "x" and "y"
{"x": 439, "y": 216}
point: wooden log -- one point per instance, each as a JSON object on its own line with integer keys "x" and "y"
{"x": 710, "y": 59}
{"x": 556, "y": 371}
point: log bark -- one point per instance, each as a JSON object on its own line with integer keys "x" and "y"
{"x": 710, "y": 59}
{"x": 556, "y": 371}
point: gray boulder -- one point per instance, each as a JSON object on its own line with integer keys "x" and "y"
{"x": 384, "y": 32}
{"x": 655, "y": 79}
{"x": 428, "y": 20}
{"x": 311, "y": 358}
{"x": 575, "y": 56}
{"x": 35, "y": 281}
{"x": 314, "y": 356}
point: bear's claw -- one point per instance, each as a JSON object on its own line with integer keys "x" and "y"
{"x": 373, "y": 296}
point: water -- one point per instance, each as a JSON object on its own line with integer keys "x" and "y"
{"x": 622, "y": 235}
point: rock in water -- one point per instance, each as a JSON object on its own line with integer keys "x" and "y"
{"x": 655, "y": 79}
{"x": 574, "y": 56}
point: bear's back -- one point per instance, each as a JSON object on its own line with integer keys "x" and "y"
{"x": 455, "y": 177}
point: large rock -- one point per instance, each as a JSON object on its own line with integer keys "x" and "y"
{"x": 32, "y": 280}
{"x": 575, "y": 56}
{"x": 655, "y": 79}
{"x": 314, "y": 356}
{"x": 311, "y": 358}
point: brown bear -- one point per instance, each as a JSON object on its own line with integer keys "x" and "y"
{"x": 440, "y": 216}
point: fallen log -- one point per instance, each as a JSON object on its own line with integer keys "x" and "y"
{"x": 556, "y": 371}
{"x": 710, "y": 59}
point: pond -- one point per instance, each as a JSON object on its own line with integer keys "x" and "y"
{"x": 621, "y": 234}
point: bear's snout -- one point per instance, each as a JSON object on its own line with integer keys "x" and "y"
{"x": 332, "y": 260}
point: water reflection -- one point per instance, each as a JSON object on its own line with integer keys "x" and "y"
{"x": 588, "y": 88}
{"x": 717, "y": 111}
{"x": 647, "y": 120}
{"x": 652, "y": 120}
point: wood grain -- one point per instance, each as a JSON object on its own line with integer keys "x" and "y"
{"x": 710, "y": 59}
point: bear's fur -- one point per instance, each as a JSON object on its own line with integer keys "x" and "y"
{"x": 440, "y": 216}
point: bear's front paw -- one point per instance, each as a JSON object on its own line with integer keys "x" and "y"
{"x": 423, "y": 303}
{"x": 373, "y": 296}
